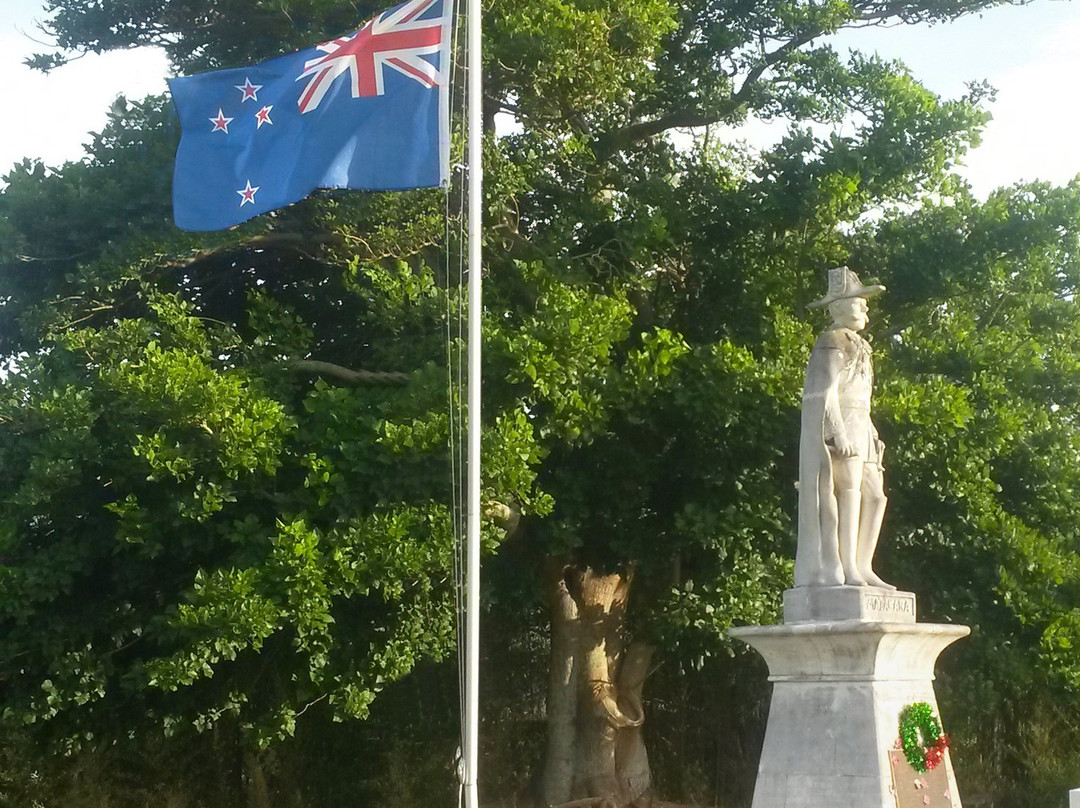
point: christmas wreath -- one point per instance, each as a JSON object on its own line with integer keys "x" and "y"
{"x": 921, "y": 738}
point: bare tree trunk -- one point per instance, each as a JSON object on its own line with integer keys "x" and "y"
{"x": 595, "y": 753}
{"x": 631, "y": 757}
{"x": 258, "y": 790}
{"x": 560, "y": 755}
{"x": 603, "y": 613}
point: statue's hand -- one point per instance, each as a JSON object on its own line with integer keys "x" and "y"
{"x": 841, "y": 446}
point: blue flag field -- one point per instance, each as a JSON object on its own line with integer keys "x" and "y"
{"x": 368, "y": 111}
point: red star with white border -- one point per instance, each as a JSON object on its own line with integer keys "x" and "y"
{"x": 263, "y": 116}
{"x": 221, "y": 123}
{"x": 247, "y": 195}
{"x": 248, "y": 89}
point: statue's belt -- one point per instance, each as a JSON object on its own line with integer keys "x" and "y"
{"x": 845, "y": 404}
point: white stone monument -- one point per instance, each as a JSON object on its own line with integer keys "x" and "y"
{"x": 849, "y": 656}
{"x": 1074, "y": 798}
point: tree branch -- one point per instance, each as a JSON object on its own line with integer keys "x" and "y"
{"x": 317, "y": 367}
{"x": 683, "y": 119}
{"x": 257, "y": 243}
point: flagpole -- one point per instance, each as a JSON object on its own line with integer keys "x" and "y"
{"x": 474, "y": 98}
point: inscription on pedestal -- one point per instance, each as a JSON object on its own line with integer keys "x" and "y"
{"x": 808, "y": 604}
{"x": 885, "y": 607}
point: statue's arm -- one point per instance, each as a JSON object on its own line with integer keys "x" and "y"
{"x": 823, "y": 379}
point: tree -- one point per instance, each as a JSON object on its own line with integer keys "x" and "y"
{"x": 242, "y": 434}
{"x": 200, "y": 531}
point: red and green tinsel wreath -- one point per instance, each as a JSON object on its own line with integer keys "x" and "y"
{"x": 923, "y": 742}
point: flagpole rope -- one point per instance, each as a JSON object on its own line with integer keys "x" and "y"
{"x": 455, "y": 245}
{"x": 459, "y": 412}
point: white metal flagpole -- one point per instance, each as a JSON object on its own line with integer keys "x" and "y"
{"x": 474, "y": 103}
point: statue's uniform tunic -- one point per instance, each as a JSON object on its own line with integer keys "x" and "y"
{"x": 855, "y": 386}
{"x": 829, "y": 402}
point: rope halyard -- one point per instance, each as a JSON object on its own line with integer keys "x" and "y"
{"x": 454, "y": 278}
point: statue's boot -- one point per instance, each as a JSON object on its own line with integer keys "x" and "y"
{"x": 848, "y": 506}
{"x": 825, "y": 553}
{"x": 873, "y": 511}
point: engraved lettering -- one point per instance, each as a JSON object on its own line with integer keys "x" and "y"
{"x": 883, "y": 604}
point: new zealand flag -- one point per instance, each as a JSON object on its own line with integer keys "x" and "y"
{"x": 369, "y": 111}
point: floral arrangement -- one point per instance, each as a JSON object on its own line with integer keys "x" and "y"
{"x": 921, "y": 737}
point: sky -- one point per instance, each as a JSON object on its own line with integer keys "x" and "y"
{"x": 1028, "y": 53}
{"x": 49, "y": 116}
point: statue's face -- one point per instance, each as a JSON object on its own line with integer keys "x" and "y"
{"x": 851, "y": 312}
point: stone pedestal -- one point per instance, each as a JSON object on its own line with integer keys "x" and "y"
{"x": 1074, "y": 798}
{"x": 812, "y": 604}
{"x": 841, "y": 675}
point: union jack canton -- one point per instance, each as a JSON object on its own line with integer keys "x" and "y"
{"x": 369, "y": 111}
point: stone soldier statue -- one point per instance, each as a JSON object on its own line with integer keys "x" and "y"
{"x": 841, "y": 497}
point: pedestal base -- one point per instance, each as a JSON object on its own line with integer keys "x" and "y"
{"x": 838, "y": 689}
{"x": 811, "y": 604}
